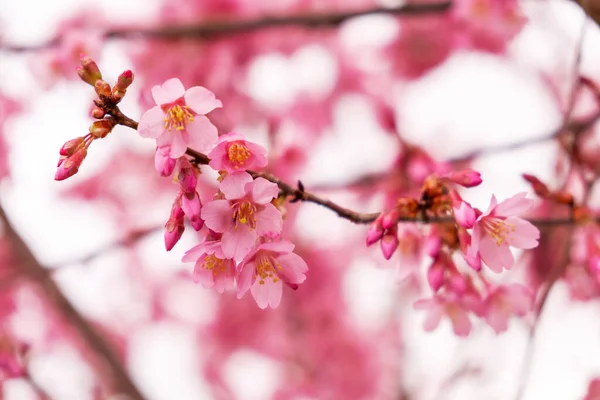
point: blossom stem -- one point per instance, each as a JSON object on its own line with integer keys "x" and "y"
{"x": 215, "y": 28}
{"x": 104, "y": 360}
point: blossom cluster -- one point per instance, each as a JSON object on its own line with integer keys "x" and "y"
{"x": 242, "y": 248}
{"x": 481, "y": 238}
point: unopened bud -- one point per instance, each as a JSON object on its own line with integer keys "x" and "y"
{"x": 99, "y": 129}
{"x": 97, "y": 113}
{"x": 564, "y": 198}
{"x": 467, "y": 178}
{"x": 118, "y": 95}
{"x": 102, "y": 88}
{"x": 435, "y": 275}
{"x": 70, "y": 165}
{"x": 89, "y": 72}
{"x": 124, "y": 81}
{"x": 70, "y": 147}
{"x": 538, "y": 187}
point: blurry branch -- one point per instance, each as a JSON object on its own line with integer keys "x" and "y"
{"x": 210, "y": 29}
{"x": 563, "y": 253}
{"x": 104, "y": 360}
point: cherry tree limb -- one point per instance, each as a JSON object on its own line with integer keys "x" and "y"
{"x": 215, "y": 28}
{"x": 106, "y": 363}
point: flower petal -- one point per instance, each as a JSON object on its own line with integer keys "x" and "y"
{"x": 496, "y": 257}
{"x": 168, "y": 92}
{"x": 201, "y": 100}
{"x": 217, "y": 215}
{"x": 263, "y": 191}
{"x": 233, "y": 185}
{"x": 178, "y": 145}
{"x": 194, "y": 253}
{"x": 245, "y": 278}
{"x": 261, "y": 293}
{"x": 525, "y": 235}
{"x": 203, "y": 276}
{"x": 516, "y": 205}
{"x": 152, "y": 123}
{"x": 203, "y": 134}
{"x": 269, "y": 221}
{"x": 238, "y": 242}
{"x": 294, "y": 268}
{"x": 282, "y": 246}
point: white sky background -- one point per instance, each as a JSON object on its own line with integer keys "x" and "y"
{"x": 473, "y": 101}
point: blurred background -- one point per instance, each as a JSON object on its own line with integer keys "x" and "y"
{"x": 360, "y": 109}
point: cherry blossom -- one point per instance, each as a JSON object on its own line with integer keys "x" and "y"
{"x": 233, "y": 153}
{"x": 211, "y": 267}
{"x": 179, "y": 119}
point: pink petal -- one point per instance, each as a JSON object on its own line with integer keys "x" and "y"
{"x": 217, "y": 215}
{"x": 465, "y": 215}
{"x": 269, "y": 221}
{"x": 282, "y": 246}
{"x": 245, "y": 278}
{"x": 520, "y": 298}
{"x": 494, "y": 256}
{"x": 225, "y": 280}
{"x": 194, "y": 253}
{"x": 493, "y": 203}
{"x": 497, "y": 319}
{"x": 433, "y": 318}
{"x": 168, "y": 92}
{"x": 152, "y": 123}
{"x": 201, "y": 100}
{"x": 203, "y": 276}
{"x": 203, "y": 134}
{"x": 263, "y": 191}
{"x": 233, "y": 185}
{"x": 238, "y": 242}
{"x": 259, "y": 153}
{"x": 294, "y": 268}
{"x": 525, "y": 236}
{"x": 178, "y": 145}
{"x": 261, "y": 294}
{"x": 461, "y": 324}
{"x": 275, "y": 289}
{"x": 217, "y": 155}
{"x": 516, "y": 205}
{"x": 475, "y": 240}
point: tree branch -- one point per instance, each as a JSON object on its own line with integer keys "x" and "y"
{"x": 106, "y": 363}
{"x": 211, "y": 29}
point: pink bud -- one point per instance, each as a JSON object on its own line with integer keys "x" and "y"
{"x": 467, "y": 178}
{"x": 191, "y": 206}
{"x": 389, "y": 244}
{"x": 174, "y": 227}
{"x": 435, "y": 275}
{"x": 375, "y": 231}
{"x": 187, "y": 175}
{"x": 102, "y": 88}
{"x": 465, "y": 215}
{"x": 474, "y": 261}
{"x": 91, "y": 70}
{"x": 162, "y": 162}
{"x": 389, "y": 218}
{"x": 124, "y": 80}
{"x": 432, "y": 245}
{"x": 457, "y": 282}
{"x": 97, "y": 113}
{"x": 70, "y": 165}
{"x": 71, "y": 146}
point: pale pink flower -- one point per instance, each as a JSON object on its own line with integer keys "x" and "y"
{"x": 504, "y": 301}
{"x": 233, "y": 153}
{"x": 211, "y": 267}
{"x": 450, "y": 305}
{"x": 265, "y": 269}
{"x": 179, "y": 119}
{"x": 245, "y": 214}
{"x": 164, "y": 164}
{"x": 499, "y": 228}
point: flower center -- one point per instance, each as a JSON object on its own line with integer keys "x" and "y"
{"x": 214, "y": 264}
{"x": 238, "y": 153}
{"x": 266, "y": 267}
{"x": 245, "y": 213}
{"x": 177, "y": 117}
{"x": 498, "y": 229}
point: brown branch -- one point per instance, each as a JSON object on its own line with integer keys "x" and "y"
{"x": 211, "y": 29}
{"x": 104, "y": 360}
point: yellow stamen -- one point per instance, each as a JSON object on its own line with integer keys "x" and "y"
{"x": 213, "y": 263}
{"x": 238, "y": 153}
{"x": 266, "y": 267}
{"x": 177, "y": 117}
{"x": 245, "y": 213}
{"x": 498, "y": 229}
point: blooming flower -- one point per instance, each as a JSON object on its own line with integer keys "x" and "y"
{"x": 505, "y": 300}
{"x": 233, "y": 153}
{"x": 499, "y": 228}
{"x": 244, "y": 214}
{"x": 264, "y": 269}
{"x": 179, "y": 118}
{"x": 211, "y": 267}
{"x": 451, "y": 305}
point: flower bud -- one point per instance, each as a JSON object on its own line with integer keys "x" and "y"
{"x": 97, "y": 113}
{"x": 435, "y": 275}
{"x": 102, "y": 88}
{"x": 466, "y": 178}
{"x": 123, "y": 81}
{"x": 389, "y": 243}
{"x": 538, "y": 187}
{"x": 375, "y": 231}
{"x": 69, "y": 148}
{"x": 164, "y": 164}
{"x": 186, "y": 175}
{"x": 90, "y": 70}
{"x": 70, "y": 165}
{"x": 99, "y": 129}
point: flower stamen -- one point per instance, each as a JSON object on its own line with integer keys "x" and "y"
{"x": 499, "y": 230}
{"x": 238, "y": 153}
{"x": 177, "y": 117}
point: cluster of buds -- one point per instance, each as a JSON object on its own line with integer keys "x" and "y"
{"x": 187, "y": 203}
{"x": 74, "y": 151}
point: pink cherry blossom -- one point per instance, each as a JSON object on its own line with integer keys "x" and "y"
{"x": 211, "y": 267}
{"x": 179, "y": 119}
{"x": 233, "y": 153}
{"x": 245, "y": 214}
{"x": 450, "y": 305}
{"x": 504, "y": 301}
{"x": 499, "y": 228}
{"x": 264, "y": 269}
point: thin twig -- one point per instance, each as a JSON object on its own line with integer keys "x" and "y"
{"x": 211, "y": 29}
{"x": 104, "y": 360}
